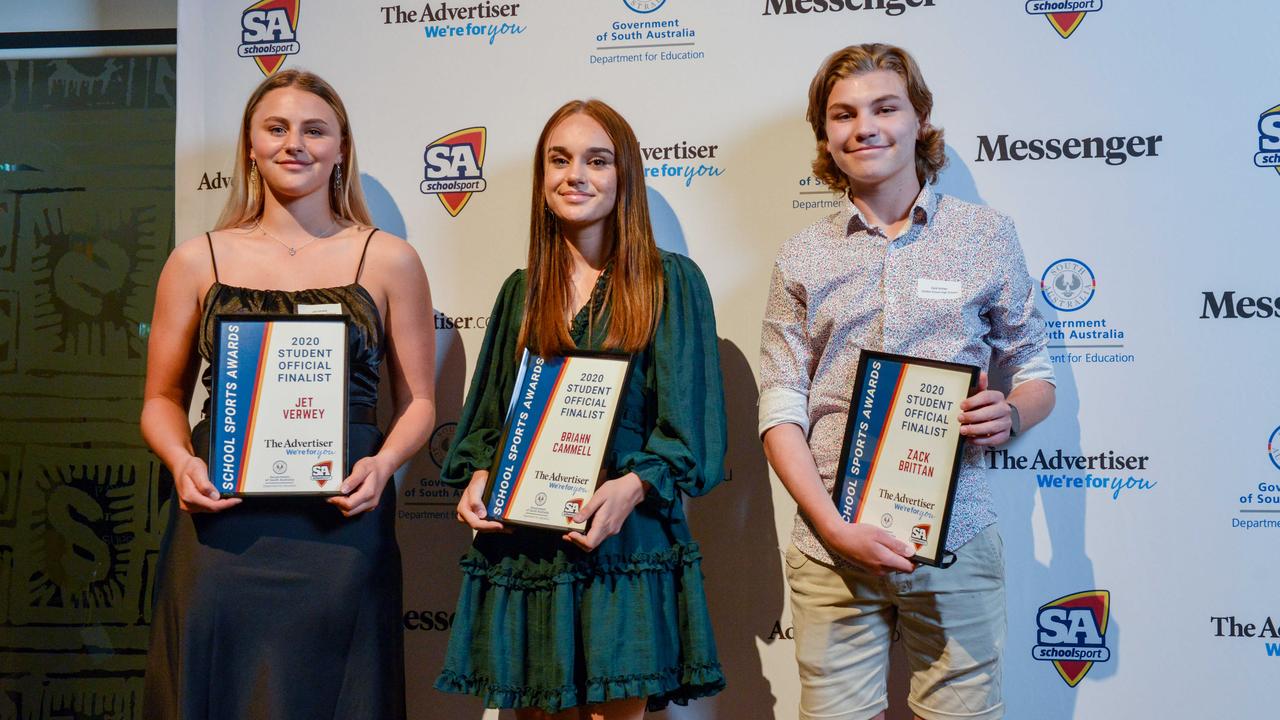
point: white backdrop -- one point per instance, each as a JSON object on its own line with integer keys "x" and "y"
{"x": 1154, "y": 375}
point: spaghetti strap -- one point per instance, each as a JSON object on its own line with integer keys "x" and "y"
{"x": 214, "y": 258}
{"x": 362, "y": 254}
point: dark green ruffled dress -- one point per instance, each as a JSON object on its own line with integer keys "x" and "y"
{"x": 541, "y": 623}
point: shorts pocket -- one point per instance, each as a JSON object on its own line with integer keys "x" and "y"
{"x": 795, "y": 559}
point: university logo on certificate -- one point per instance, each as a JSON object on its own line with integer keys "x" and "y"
{"x": 902, "y": 444}
{"x": 279, "y": 405}
{"x": 559, "y": 426}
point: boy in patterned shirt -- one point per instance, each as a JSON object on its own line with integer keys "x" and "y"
{"x": 906, "y": 270}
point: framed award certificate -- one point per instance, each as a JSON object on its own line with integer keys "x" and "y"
{"x": 278, "y": 405}
{"x": 901, "y": 453}
{"x": 557, "y": 434}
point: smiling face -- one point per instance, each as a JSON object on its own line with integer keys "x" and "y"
{"x": 872, "y": 129}
{"x": 296, "y": 139}
{"x": 580, "y": 176}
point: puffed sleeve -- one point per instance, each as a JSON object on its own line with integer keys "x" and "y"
{"x": 685, "y": 448}
{"x": 480, "y": 426}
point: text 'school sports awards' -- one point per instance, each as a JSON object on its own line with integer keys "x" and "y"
{"x": 902, "y": 445}
{"x": 279, "y": 405}
{"x": 558, "y": 431}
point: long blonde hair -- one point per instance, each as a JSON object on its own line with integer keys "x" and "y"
{"x": 245, "y": 204}
{"x": 635, "y": 285}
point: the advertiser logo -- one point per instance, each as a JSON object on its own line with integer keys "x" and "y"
{"x": 892, "y": 8}
{"x": 269, "y": 33}
{"x": 445, "y": 22}
{"x": 217, "y": 181}
{"x": 1268, "y": 154}
{"x": 1115, "y": 150}
{"x": 682, "y": 160}
{"x": 1064, "y": 15}
{"x": 1228, "y": 626}
{"x": 1228, "y": 305}
{"x": 1106, "y": 473}
{"x": 1068, "y": 284}
{"x": 1072, "y": 633}
{"x": 322, "y": 472}
{"x": 461, "y": 322}
{"x": 454, "y": 168}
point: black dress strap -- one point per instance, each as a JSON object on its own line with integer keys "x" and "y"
{"x": 363, "y": 253}
{"x": 214, "y": 258}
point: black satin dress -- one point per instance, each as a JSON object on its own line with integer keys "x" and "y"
{"x": 282, "y": 608}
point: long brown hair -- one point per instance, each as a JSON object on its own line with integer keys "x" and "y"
{"x": 931, "y": 153}
{"x": 245, "y": 203}
{"x": 634, "y": 287}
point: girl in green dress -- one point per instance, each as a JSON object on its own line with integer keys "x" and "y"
{"x": 596, "y": 624}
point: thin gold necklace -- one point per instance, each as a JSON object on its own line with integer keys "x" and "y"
{"x": 293, "y": 249}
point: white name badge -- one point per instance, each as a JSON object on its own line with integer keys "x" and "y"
{"x": 278, "y": 405}
{"x": 938, "y": 289}
{"x": 325, "y": 309}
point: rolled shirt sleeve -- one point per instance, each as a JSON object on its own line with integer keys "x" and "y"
{"x": 786, "y": 357}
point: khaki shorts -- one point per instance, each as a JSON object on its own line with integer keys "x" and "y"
{"x": 951, "y": 623}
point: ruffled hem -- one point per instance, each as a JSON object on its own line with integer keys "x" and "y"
{"x": 520, "y": 575}
{"x": 679, "y": 685}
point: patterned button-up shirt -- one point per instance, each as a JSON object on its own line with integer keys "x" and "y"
{"x": 953, "y": 286}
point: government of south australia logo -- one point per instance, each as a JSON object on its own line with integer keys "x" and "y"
{"x": 269, "y": 32}
{"x": 1268, "y": 154}
{"x": 1071, "y": 633}
{"x": 1273, "y": 447}
{"x": 1068, "y": 285}
{"x": 644, "y": 6}
{"x": 454, "y": 168}
{"x": 1064, "y": 15}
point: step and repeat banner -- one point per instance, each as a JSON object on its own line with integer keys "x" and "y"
{"x": 1135, "y": 144}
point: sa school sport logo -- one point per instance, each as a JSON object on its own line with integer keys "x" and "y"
{"x": 1071, "y": 633}
{"x": 454, "y": 168}
{"x": 1068, "y": 285}
{"x": 1064, "y": 15}
{"x": 1268, "y": 154}
{"x": 322, "y": 472}
{"x": 269, "y": 33}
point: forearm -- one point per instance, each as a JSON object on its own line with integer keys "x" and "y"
{"x": 408, "y": 433}
{"x": 165, "y": 430}
{"x": 1034, "y": 400}
{"x": 790, "y": 457}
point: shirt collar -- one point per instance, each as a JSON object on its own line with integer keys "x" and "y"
{"x": 851, "y": 221}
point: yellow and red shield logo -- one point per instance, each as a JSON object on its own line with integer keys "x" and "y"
{"x": 454, "y": 168}
{"x": 1268, "y": 154}
{"x": 1072, "y": 633}
{"x": 269, "y": 33}
{"x": 1064, "y": 15}
{"x": 1065, "y": 23}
